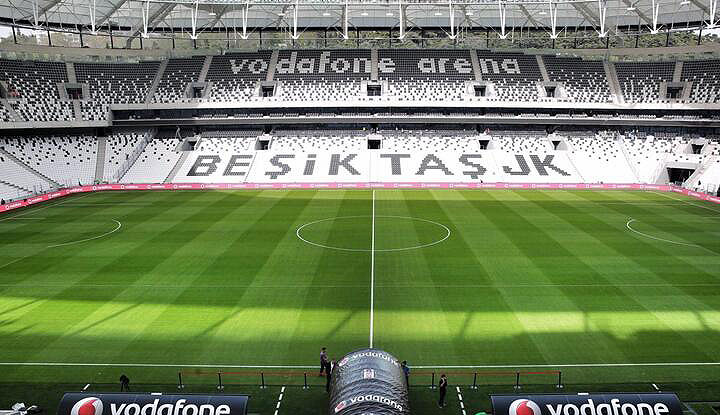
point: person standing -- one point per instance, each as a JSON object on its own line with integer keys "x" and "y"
{"x": 124, "y": 383}
{"x": 443, "y": 390}
{"x": 328, "y": 369}
{"x": 323, "y": 360}
{"x": 406, "y": 371}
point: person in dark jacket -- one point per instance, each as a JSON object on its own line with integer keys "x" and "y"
{"x": 124, "y": 383}
{"x": 329, "y": 368}
{"x": 442, "y": 386}
{"x": 406, "y": 371}
{"x": 323, "y": 360}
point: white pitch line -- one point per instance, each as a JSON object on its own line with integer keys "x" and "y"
{"x": 627, "y": 225}
{"x": 372, "y": 273}
{"x": 14, "y": 218}
{"x": 669, "y": 364}
{"x": 688, "y": 202}
{"x": 45, "y": 207}
{"x": 409, "y": 287}
{"x": 279, "y": 401}
{"x": 119, "y": 225}
{"x": 61, "y": 364}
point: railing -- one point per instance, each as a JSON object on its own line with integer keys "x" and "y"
{"x": 309, "y": 378}
{"x": 135, "y": 155}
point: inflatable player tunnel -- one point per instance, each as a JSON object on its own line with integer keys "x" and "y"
{"x": 368, "y": 381}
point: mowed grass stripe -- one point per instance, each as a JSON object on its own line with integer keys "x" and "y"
{"x": 685, "y": 348}
{"x": 174, "y": 314}
{"x": 82, "y": 310}
{"x": 551, "y": 315}
{"x": 665, "y": 219}
{"x": 72, "y": 266}
{"x": 588, "y": 327}
{"x": 29, "y": 241}
{"x": 478, "y": 314}
{"x": 405, "y": 316}
{"x": 332, "y": 315}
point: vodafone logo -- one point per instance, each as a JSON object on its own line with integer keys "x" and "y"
{"x": 87, "y": 406}
{"x": 340, "y": 406}
{"x": 524, "y": 407}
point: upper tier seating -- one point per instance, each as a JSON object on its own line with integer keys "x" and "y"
{"x": 114, "y": 83}
{"x": 317, "y": 75}
{"x": 640, "y": 81}
{"x": 425, "y": 75}
{"x": 515, "y": 75}
{"x": 584, "y": 80}
{"x": 178, "y": 74}
{"x": 33, "y": 91}
{"x": 705, "y": 76}
{"x": 68, "y": 160}
{"x": 234, "y": 76}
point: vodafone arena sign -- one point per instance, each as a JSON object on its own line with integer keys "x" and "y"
{"x": 151, "y": 404}
{"x": 588, "y": 404}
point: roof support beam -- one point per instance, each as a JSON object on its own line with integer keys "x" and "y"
{"x": 602, "y": 13}
{"x": 401, "y": 15}
{"x": 503, "y": 15}
{"x": 150, "y": 21}
{"x": 451, "y": 11}
{"x": 38, "y": 10}
{"x": 553, "y": 20}
{"x": 193, "y": 19}
{"x": 713, "y": 11}
{"x": 346, "y": 12}
{"x": 104, "y": 18}
{"x": 644, "y": 17}
{"x": 530, "y": 17}
{"x": 295, "y": 35}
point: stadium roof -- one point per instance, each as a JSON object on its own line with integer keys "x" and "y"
{"x": 140, "y": 17}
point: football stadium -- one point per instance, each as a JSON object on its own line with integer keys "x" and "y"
{"x": 349, "y": 207}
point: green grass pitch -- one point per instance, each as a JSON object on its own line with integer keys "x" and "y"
{"x": 220, "y": 278}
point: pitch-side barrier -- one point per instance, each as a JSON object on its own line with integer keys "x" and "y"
{"x": 428, "y": 378}
{"x": 229, "y": 186}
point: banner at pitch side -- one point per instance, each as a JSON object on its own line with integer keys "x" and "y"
{"x": 148, "y": 404}
{"x": 588, "y": 404}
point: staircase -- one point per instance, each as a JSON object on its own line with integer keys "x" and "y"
{"x": 100, "y": 163}
{"x": 22, "y": 192}
{"x": 691, "y": 182}
{"x": 156, "y": 81}
{"x": 29, "y": 169}
{"x": 135, "y": 154}
{"x": 271, "y": 66}
{"x": 543, "y": 70}
{"x": 10, "y": 110}
{"x": 628, "y": 159}
{"x": 205, "y": 69}
{"x": 171, "y": 176}
{"x": 70, "y": 69}
{"x": 613, "y": 83}
{"x": 677, "y": 75}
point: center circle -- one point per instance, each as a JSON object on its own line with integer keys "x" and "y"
{"x": 354, "y": 233}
